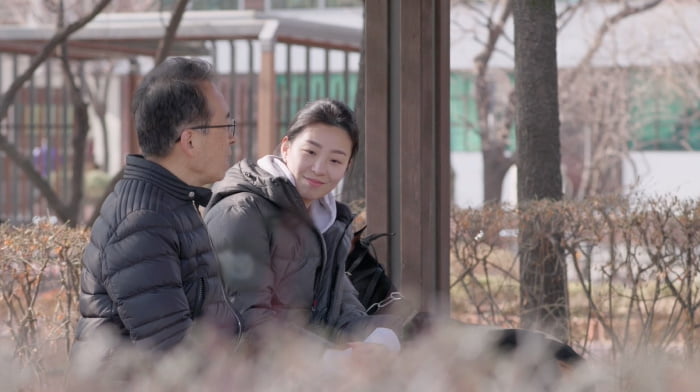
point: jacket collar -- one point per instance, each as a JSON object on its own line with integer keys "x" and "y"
{"x": 247, "y": 176}
{"x": 138, "y": 167}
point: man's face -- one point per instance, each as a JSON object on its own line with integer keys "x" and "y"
{"x": 213, "y": 157}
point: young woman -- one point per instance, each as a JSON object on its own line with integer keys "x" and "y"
{"x": 282, "y": 239}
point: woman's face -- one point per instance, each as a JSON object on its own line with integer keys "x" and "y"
{"x": 318, "y": 157}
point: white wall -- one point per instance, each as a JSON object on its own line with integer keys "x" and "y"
{"x": 468, "y": 187}
{"x": 649, "y": 174}
{"x": 656, "y": 173}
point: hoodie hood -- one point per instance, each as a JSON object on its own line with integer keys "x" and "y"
{"x": 247, "y": 176}
{"x": 322, "y": 211}
{"x": 271, "y": 179}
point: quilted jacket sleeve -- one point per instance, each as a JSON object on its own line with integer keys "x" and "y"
{"x": 142, "y": 276}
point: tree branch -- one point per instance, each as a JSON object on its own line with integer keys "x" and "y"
{"x": 625, "y": 12}
{"x": 47, "y": 51}
{"x": 24, "y": 163}
{"x": 166, "y": 43}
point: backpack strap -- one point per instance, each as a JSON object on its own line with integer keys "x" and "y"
{"x": 376, "y": 275}
{"x": 365, "y": 242}
{"x": 356, "y": 262}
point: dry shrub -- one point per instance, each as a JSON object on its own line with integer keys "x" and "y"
{"x": 40, "y": 269}
{"x": 632, "y": 268}
{"x": 632, "y": 265}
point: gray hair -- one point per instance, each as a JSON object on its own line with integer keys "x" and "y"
{"x": 169, "y": 96}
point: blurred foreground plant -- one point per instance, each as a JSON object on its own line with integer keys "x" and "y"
{"x": 634, "y": 294}
{"x": 39, "y": 285}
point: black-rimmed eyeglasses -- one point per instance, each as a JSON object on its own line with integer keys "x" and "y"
{"x": 231, "y": 128}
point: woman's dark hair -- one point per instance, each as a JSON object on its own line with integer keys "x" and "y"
{"x": 170, "y": 95}
{"x": 328, "y": 112}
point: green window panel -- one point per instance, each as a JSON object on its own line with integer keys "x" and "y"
{"x": 343, "y": 3}
{"x": 294, "y": 3}
{"x": 464, "y": 117}
{"x": 214, "y": 4}
{"x": 661, "y": 120}
{"x": 464, "y": 134}
{"x": 292, "y": 94}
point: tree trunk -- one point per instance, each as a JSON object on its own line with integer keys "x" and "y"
{"x": 81, "y": 128}
{"x": 98, "y": 96}
{"x": 493, "y": 144}
{"x": 543, "y": 285}
{"x": 354, "y": 183}
{"x": 496, "y": 165}
{"x": 167, "y": 42}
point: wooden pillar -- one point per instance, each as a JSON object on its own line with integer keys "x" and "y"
{"x": 130, "y": 141}
{"x": 377, "y": 126}
{"x": 268, "y": 135}
{"x": 407, "y": 143}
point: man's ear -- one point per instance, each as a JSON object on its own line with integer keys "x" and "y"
{"x": 187, "y": 142}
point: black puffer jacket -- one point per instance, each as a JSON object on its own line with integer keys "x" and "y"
{"x": 280, "y": 270}
{"x": 149, "y": 270}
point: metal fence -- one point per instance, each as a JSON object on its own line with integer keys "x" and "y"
{"x": 40, "y": 124}
{"x": 296, "y": 84}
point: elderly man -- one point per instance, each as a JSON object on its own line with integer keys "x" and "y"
{"x": 149, "y": 271}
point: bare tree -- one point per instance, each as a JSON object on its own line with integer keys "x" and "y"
{"x": 493, "y": 133}
{"x": 81, "y": 128}
{"x": 495, "y": 113}
{"x": 596, "y": 115}
{"x": 625, "y": 11}
{"x": 97, "y": 88}
{"x": 596, "y": 130}
{"x": 167, "y": 42}
{"x": 634, "y": 265}
{"x": 67, "y": 212}
{"x": 543, "y": 284}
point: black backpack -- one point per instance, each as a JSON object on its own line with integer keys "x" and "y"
{"x": 376, "y": 290}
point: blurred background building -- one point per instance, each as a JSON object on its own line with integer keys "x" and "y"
{"x": 631, "y": 123}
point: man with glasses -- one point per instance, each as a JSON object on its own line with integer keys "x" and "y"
{"x": 149, "y": 271}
